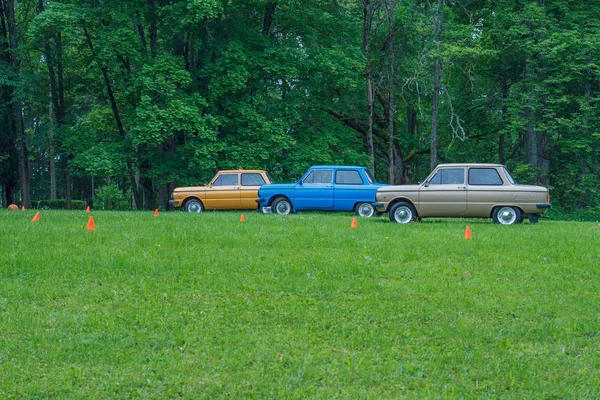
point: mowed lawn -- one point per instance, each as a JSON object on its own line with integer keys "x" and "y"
{"x": 299, "y": 306}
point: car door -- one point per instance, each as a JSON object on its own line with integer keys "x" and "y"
{"x": 223, "y": 193}
{"x": 350, "y": 188}
{"x": 444, "y": 194}
{"x": 315, "y": 191}
{"x": 485, "y": 190}
{"x": 251, "y": 182}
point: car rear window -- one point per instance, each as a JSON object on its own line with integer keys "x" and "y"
{"x": 252, "y": 180}
{"x": 319, "y": 176}
{"x": 226, "y": 180}
{"x": 449, "y": 176}
{"x": 348, "y": 178}
{"x": 484, "y": 176}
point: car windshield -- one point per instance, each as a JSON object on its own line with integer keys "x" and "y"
{"x": 270, "y": 178}
{"x": 370, "y": 175}
{"x": 508, "y": 176}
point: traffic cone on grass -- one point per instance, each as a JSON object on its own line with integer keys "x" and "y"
{"x": 242, "y": 219}
{"x": 87, "y": 209}
{"x": 22, "y": 208}
{"x": 353, "y": 223}
{"x": 91, "y": 226}
{"x": 468, "y": 233}
{"x": 156, "y": 212}
{"x": 36, "y": 217}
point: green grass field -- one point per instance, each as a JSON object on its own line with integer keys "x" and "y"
{"x": 302, "y": 306}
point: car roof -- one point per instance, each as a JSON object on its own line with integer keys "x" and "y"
{"x": 470, "y": 165}
{"x": 242, "y": 170}
{"x": 338, "y": 166}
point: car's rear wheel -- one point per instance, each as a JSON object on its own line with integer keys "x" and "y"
{"x": 403, "y": 213}
{"x": 365, "y": 210}
{"x": 506, "y": 215}
{"x": 282, "y": 206}
{"x": 194, "y": 205}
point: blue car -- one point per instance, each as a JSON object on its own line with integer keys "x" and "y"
{"x": 323, "y": 188}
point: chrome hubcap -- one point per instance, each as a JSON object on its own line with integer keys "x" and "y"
{"x": 194, "y": 207}
{"x": 283, "y": 207}
{"x": 365, "y": 210}
{"x": 507, "y": 216}
{"x": 403, "y": 215}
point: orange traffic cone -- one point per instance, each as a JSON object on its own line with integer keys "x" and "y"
{"x": 22, "y": 208}
{"x": 242, "y": 219}
{"x": 90, "y": 225}
{"x": 353, "y": 224}
{"x": 87, "y": 209}
{"x": 156, "y": 212}
{"x": 468, "y": 233}
{"x": 36, "y": 217}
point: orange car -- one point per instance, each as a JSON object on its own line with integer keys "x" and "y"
{"x": 228, "y": 190}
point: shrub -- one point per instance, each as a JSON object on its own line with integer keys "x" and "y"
{"x": 60, "y": 204}
{"x": 110, "y": 197}
{"x": 581, "y": 215}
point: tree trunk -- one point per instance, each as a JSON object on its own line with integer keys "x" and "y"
{"x": 51, "y": 155}
{"x": 436, "y": 86}
{"x": 391, "y": 7}
{"x": 153, "y": 29}
{"x": 117, "y": 116}
{"x": 367, "y": 21}
{"x": 531, "y": 134}
{"x": 268, "y": 17}
{"x": 17, "y": 112}
{"x": 501, "y": 150}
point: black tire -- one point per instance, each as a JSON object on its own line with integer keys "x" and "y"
{"x": 403, "y": 213}
{"x": 507, "y": 215}
{"x": 282, "y": 206}
{"x": 193, "y": 205}
{"x": 365, "y": 210}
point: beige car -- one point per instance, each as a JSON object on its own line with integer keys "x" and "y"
{"x": 228, "y": 190}
{"x": 465, "y": 190}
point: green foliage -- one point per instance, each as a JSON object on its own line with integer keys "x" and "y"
{"x": 111, "y": 197}
{"x": 60, "y": 204}
{"x": 201, "y": 85}
{"x": 582, "y": 214}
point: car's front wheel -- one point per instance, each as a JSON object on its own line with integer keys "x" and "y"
{"x": 403, "y": 213}
{"x": 365, "y": 210}
{"x": 194, "y": 205}
{"x": 282, "y": 206}
{"x": 506, "y": 215}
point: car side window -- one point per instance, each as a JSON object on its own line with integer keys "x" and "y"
{"x": 348, "y": 178}
{"x": 319, "y": 176}
{"x": 449, "y": 176}
{"x": 484, "y": 176}
{"x": 226, "y": 180}
{"x": 252, "y": 180}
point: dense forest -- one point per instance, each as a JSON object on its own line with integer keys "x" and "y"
{"x": 134, "y": 97}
